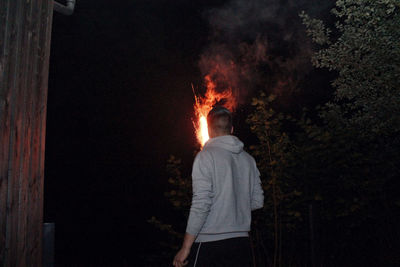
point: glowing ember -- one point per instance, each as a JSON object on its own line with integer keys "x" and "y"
{"x": 203, "y": 105}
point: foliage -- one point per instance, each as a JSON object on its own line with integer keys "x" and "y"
{"x": 366, "y": 55}
{"x": 179, "y": 195}
{"x": 331, "y": 183}
{"x": 353, "y": 152}
{"x": 342, "y": 166}
{"x": 273, "y": 154}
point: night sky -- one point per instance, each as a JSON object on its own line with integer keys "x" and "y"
{"x": 120, "y": 102}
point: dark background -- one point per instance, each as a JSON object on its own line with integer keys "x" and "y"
{"x": 120, "y": 102}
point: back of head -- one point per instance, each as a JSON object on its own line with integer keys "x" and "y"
{"x": 219, "y": 121}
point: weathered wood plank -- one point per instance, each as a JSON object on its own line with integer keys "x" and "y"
{"x": 42, "y": 82}
{"x": 26, "y": 131}
{"x": 6, "y": 14}
{"x": 15, "y": 125}
{"x": 35, "y": 59}
{"x": 24, "y": 60}
{"x": 3, "y": 32}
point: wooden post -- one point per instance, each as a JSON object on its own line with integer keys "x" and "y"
{"x": 25, "y": 31}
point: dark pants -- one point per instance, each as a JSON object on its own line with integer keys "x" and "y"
{"x": 227, "y": 252}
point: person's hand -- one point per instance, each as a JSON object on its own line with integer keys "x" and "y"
{"x": 181, "y": 256}
{"x": 183, "y": 253}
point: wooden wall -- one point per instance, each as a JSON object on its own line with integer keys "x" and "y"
{"x": 25, "y": 30}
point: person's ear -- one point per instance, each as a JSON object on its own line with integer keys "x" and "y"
{"x": 210, "y": 133}
{"x": 232, "y": 130}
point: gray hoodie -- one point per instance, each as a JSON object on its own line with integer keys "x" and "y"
{"x": 226, "y": 188}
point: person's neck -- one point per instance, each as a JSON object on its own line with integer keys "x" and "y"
{"x": 218, "y": 135}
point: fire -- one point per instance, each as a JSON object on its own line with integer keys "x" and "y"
{"x": 203, "y": 105}
{"x": 200, "y": 123}
{"x": 203, "y": 130}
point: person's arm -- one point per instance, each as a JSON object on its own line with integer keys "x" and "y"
{"x": 257, "y": 197}
{"x": 201, "y": 204}
{"x": 183, "y": 253}
{"x": 202, "y": 193}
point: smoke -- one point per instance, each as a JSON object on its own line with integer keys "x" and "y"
{"x": 259, "y": 44}
{"x": 230, "y": 69}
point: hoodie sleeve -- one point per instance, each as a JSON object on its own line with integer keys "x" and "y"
{"x": 257, "y": 197}
{"x": 202, "y": 192}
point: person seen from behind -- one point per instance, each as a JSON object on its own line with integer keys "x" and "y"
{"x": 226, "y": 188}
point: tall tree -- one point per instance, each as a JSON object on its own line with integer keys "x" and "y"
{"x": 366, "y": 55}
{"x": 365, "y": 116}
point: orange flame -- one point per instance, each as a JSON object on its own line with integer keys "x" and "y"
{"x": 203, "y": 105}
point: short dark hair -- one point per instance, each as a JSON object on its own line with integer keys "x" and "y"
{"x": 219, "y": 119}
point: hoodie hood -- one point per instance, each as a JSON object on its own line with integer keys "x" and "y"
{"x": 227, "y": 142}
